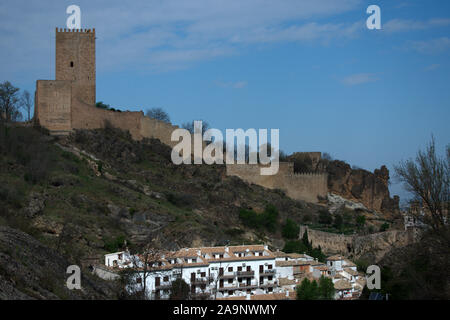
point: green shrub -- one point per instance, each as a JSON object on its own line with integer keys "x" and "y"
{"x": 384, "y": 227}
{"x": 325, "y": 217}
{"x": 290, "y": 229}
{"x": 114, "y": 245}
{"x": 266, "y": 220}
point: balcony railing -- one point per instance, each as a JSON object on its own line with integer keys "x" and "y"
{"x": 247, "y": 285}
{"x": 162, "y": 286}
{"x": 268, "y": 284}
{"x": 250, "y": 273}
{"x": 268, "y": 272}
{"x": 226, "y": 275}
{"x": 202, "y": 280}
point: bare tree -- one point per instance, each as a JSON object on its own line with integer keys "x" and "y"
{"x": 26, "y": 103}
{"x": 158, "y": 114}
{"x": 143, "y": 264}
{"x": 428, "y": 179}
{"x": 9, "y": 102}
{"x": 189, "y": 126}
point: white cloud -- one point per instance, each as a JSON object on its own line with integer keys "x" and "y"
{"x": 403, "y": 25}
{"x": 432, "y": 46}
{"x": 159, "y": 35}
{"x": 234, "y": 85}
{"x": 432, "y": 67}
{"x": 359, "y": 78}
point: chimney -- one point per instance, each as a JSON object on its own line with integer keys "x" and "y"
{"x": 227, "y": 249}
{"x": 287, "y": 293}
{"x": 247, "y": 296}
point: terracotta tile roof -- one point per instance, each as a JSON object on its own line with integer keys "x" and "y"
{"x": 292, "y": 263}
{"x": 272, "y": 296}
{"x": 350, "y": 271}
{"x": 335, "y": 258}
{"x": 286, "y": 281}
{"x": 348, "y": 263}
{"x": 321, "y": 268}
{"x": 342, "y": 285}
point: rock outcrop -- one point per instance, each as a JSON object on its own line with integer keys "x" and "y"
{"x": 371, "y": 189}
{"x": 372, "y": 247}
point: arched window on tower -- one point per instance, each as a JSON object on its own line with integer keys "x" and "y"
{"x": 71, "y": 64}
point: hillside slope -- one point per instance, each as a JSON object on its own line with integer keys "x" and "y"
{"x": 85, "y": 194}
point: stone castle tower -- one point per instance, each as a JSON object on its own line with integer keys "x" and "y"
{"x": 75, "y": 61}
{"x": 74, "y": 83}
{"x": 68, "y": 102}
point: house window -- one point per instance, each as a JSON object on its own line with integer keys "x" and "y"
{"x": 270, "y": 277}
{"x": 194, "y": 260}
{"x": 203, "y": 274}
{"x": 139, "y": 280}
{"x": 166, "y": 278}
{"x": 221, "y": 256}
{"x": 269, "y": 267}
{"x": 270, "y": 289}
{"x": 230, "y": 269}
{"x": 230, "y": 280}
{"x": 71, "y": 64}
{"x": 239, "y": 268}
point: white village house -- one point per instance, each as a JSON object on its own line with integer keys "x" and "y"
{"x": 233, "y": 271}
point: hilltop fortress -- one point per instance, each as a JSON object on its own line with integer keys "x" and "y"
{"x": 307, "y": 186}
{"x": 68, "y": 103}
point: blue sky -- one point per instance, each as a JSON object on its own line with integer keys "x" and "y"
{"x": 309, "y": 68}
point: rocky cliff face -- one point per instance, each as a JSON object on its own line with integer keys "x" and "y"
{"x": 31, "y": 270}
{"x": 371, "y": 247}
{"x": 371, "y": 189}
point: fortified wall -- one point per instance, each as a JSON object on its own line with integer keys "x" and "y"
{"x": 68, "y": 102}
{"x": 300, "y": 186}
{"x": 372, "y": 246}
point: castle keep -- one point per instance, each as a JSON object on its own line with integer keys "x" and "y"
{"x": 68, "y": 103}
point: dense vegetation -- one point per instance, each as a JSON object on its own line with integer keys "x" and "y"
{"x": 304, "y": 246}
{"x": 311, "y": 290}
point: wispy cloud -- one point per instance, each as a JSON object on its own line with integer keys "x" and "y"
{"x": 234, "y": 85}
{"x": 404, "y": 25}
{"x": 432, "y": 67}
{"x": 359, "y": 78}
{"x": 433, "y": 46}
{"x": 161, "y": 35}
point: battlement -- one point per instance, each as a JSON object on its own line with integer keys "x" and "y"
{"x": 65, "y": 30}
{"x": 306, "y": 174}
{"x": 308, "y": 186}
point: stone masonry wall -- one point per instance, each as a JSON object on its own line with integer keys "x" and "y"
{"x": 75, "y": 61}
{"x": 372, "y": 247}
{"x": 307, "y": 187}
{"x": 53, "y": 105}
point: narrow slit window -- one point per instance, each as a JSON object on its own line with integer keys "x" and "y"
{"x": 71, "y": 64}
